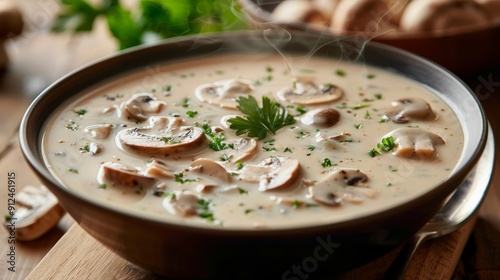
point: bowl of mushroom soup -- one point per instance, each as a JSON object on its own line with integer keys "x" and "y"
{"x": 245, "y": 153}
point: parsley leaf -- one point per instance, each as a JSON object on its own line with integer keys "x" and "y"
{"x": 387, "y": 144}
{"x": 260, "y": 121}
{"x": 217, "y": 143}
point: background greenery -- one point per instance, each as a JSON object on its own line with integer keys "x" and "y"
{"x": 151, "y": 20}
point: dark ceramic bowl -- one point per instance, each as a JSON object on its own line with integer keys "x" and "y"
{"x": 179, "y": 251}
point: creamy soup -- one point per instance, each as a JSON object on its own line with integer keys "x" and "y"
{"x": 254, "y": 141}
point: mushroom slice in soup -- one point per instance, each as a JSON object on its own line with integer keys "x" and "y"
{"x": 140, "y": 104}
{"x": 164, "y": 136}
{"x": 99, "y": 131}
{"x": 224, "y": 93}
{"x": 272, "y": 173}
{"x": 407, "y": 109}
{"x": 211, "y": 168}
{"x": 415, "y": 142}
{"x": 307, "y": 92}
{"x": 340, "y": 184}
{"x": 321, "y": 117}
{"x": 116, "y": 174}
{"x": 242, "y": 148}
{"x": 159, "y": 169}
{"x": 181, "y": 203}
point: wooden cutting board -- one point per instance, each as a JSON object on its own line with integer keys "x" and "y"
{"x": 78, "y": 256}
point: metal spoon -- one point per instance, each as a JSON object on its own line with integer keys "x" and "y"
{"x": 456, "y": 212}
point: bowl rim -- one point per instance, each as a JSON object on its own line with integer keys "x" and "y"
{"x": 33, "y": 154}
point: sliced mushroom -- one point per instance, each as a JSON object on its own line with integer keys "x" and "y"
{"x": 159, "y": 169}
{"x": 210, "y": 168}
{"x": 272, "y": 173}
{"x": 37, "y": 211}
{"x": 224, "y": 93}
{"x": 116, "y": 174}
{"x": 95, "y": 148}
{"x": 163, "y": 137}
{"x": 181, "y": 203}
{"x": 141, "y": 104}
{"x": 297, "y": 11}
{"x": 415, "y": 142}
{"x": 407, "y": 109}
{"x": 340, "y": 184}
{"x": 441, "y": 16}
{"x": 321, "y": 117}
{"x": 242, "y": 149}
{"x": 306, "y": 92}
{"x": 99, "y": 131}
{"x": 333, "y": 141}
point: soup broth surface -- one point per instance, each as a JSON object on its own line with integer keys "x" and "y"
{"x": 329, "y": 172}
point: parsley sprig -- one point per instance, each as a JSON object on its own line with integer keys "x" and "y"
{"x": 260, "y": 121}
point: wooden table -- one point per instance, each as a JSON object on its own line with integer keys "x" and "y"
{"x": 39, "y": 58}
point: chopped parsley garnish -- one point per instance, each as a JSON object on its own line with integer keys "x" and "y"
{"x": 355, "y": 107}
{"x": 169, "y": 194}
{"x": 225, "y": 157}
{"x": 384, "y": 120}
{"x": 216, "y": 143}
{"x": 340, "y": 73}
{"x": 373, "y": 153}
{"x": 239, "y": 164}
{"x": 191, "y": 114}
{"x": 296, "y": 203}
{"x": 327, "y": 163}
{"x": 205, "y": 211}
{"x": 247, "y": 211}
{"x": 269, "y": 149}
{"x": 72, "y": 170}
{"x": 170, "y": 140}
{"x": 307, "y": 70}
{"x": 288, "y": 150}
{"x": 103, "y": 186}
{"x": 242, "y": 191}
{"x": 167, "y": 88}
{"x": 185, "y": 102}
{"x": 300, "y": 110}
{"x": 367, "y": 115}
{"x": 378, "y": 96}
{"x": 387, "y": 144}
{"x": 72, "y": 126}
{"x": 311, "y": 148}
{"x": 269, "y": 69}
{"x": 358, "y": 126}
{"x": 85, "y": 148}
{"x": 370, "y": 76}
{"x": 179, "y": 177}
{"x": 346, "y": 141}
{"x": 260, "y": 121}
{"x": 81, "y": 112}
{"x": 219, "y": 72}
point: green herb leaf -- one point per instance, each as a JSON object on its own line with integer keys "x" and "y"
{"x": 242, "y": 191}
{"x": 205, "y": 210}
{"x": 327, "y": 163}
{"x": 179, "y": 177}
{"x": 191, "y": 114}
{"x": 216, "y": 143}
{"x": 386, "y": 144}
{"x": 373, "y": 153}
{"x": 260, "y": 121}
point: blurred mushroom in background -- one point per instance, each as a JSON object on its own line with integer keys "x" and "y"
{"x": 11, "y": 25}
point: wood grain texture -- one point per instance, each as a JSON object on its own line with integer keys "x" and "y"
{"x": 78, "y": 256}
